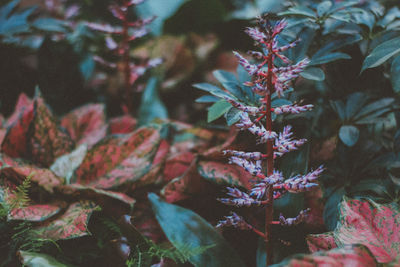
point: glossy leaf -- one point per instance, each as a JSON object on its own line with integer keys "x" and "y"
{"x": 86, "y": 124}
{"x": 331, "y": 210}
{"x": 225, "y": 174}
{"x": 374, "y": 225}
{"x": 381, "y": 53}
{"x": 315, "y": 74}
{"x": 33, "y": 259}
{"x": 395, "y": 74}
{"x": 72, "y": 224}
{"x": 326, "y": 58}
{"x": 183, "y": 227}
{"x": 151, "y": 106}
{"x": 354, "y": 256}
{"x": 34, "y": 213}
{"x": 23, "y": 102}
{"x": 349, "y": 134}
{"x": 217, "y": 110}
{"x": 117, "y": 160}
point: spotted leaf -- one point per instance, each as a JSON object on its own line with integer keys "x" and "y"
{"x": 354, "y": 256}
{"x": 86, "y": 124}
{"x": 34, "y": 213}
{"x": 46, "y": 140}
{"x": 117, "y": 160}
{"x": 122, "y": 125}
{"x": 377, "y": 226}
{"x": 72, "y": 224}
{"x": 23, "y": 102}
{"x": 225, "y": 174}
{"x": 320, "y": 242}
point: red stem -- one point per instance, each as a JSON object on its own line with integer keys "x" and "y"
{"x": 270, "y": 160}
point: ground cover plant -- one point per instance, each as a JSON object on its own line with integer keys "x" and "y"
{"x": 111, "y": 156}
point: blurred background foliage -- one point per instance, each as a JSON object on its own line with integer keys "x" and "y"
{"x": 353, "y": 80}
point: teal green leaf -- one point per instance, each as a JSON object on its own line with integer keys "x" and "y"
{"x": 50, "y": 24}
{"x": 323, "y": 8}
{"x": 302, "y": 11}
{"x": 207, "y": 99}
{"x": 315, "y": 74}
{"x": 33, "y": 259}
{"x": 331, "y": 209}
{"x": 184, "y": 227}
{"x": 151, "y": 106}
{"x": 395, "y": 74}
{"x": 217, "y": 110}
{"x": 232, "y": 116}
{"x": 161, "y": 9}
{"x": 349, "y": 134}
{"x": 323, "y": 59}
{"x": 212, "y": 89}
{"x": 381, "y": 53}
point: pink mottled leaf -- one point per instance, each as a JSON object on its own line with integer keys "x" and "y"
{"x": 320, "y": 242}
{"x": 116, "y": 202}
{"x": 34, "y": 213}
{"x": 185, "y": 186}
{"x": 225, "y": 174}
{"x": 117, "y": 160}
{"x": 23, "y": 103}
{"x": 15, "y": 141}
{"x": 377, "y": 226}
{"x": 46, "y": 140}
{"x": 177, "y": 165}
{"x": 45, "y": 178}
{"x": 122, "y": 125}
{"x": 72, "y": 224}
{"x": 354, "y": 256}
{"x": 86, "y": 124}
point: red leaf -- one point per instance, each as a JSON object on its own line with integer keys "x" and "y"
{"x": 313, "y": 199}
{"x": 225, "y": 174}
{"x": 23, "y": 103}
{"x": 354, "y": 256}
{"x": 46, "y": 140}
{"x": 86, "y": 124}
{"x": 321, "y": 242}
{"x": 16, "y": 140}
{"x": 43, "y": 177}
{"x": 2, "y": 135}
{"x": 374, "y": 225}
{"x": 72, "y": 224}
{"x": 34, "y": 213}
{"x": 177, "y": 165}
{"x": 114, "y": 202}
{"x": 185, "y": 186}
{"x": 119, "y": 159}
{"x": 122, "y": 125}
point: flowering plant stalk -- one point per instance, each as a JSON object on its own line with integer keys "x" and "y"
{"x": 267, "y": 78}
{"x": 126, "y": 33}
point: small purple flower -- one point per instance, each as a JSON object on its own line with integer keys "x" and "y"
{"x": 235, "y": 221}
{"x": 294, "y": 221}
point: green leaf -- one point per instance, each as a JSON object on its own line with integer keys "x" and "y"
{"x": 161, "y": 9}
{"x": 302, "y": 11}
{"x": 381, "y": 53}
{"x": 33, "y": 259}
{"x": 217, "y": 110}
{"x": 232, "y": 116}
{"x": 315, "y": 74}
{"x": 207, "y": 99}
{"x": 183, "y": 226}
{"x": 50, "y": 25}
{"x": 323, "y": 8}
{"x": 212, "y": 89}
{"x": 328, "y": 58}
{"x": 395, "y": 74}
{"x": 151, "y": 106}
{"x": 374, "y": 107}
{"x": 224, "y": 76}
{"x": 6, "y": 9}
{"x": 349, "y": 134}
{"x": 331, "y": 209}
{"x": 354, "y": 103}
